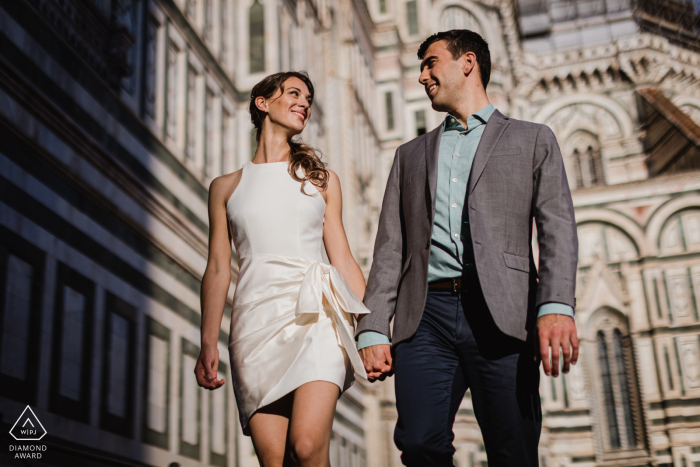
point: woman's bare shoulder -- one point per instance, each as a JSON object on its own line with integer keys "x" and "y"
{"x": 222, "y": 187}
{"x": 333, "y": 182}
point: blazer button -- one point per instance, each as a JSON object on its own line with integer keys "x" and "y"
{"x": 427, "y": 246}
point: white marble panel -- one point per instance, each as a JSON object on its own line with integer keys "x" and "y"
{"x": 190, "y": 405}
{"x": 218, "y": 421}
{"x": 157, "y": 384}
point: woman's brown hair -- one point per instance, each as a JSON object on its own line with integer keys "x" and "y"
{"x": 302, "y": 155}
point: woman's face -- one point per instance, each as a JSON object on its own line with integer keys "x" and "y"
{"x": 289, "y": 108}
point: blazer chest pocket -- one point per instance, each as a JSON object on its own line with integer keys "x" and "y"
{"x": 506, "y": 152}
{"x": 521, "y": 263}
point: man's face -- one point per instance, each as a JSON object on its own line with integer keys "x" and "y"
{"x": 442, "y": 76}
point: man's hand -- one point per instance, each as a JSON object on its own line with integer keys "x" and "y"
{"x": 556, "y": 331}
{"x": 377, "y": 360}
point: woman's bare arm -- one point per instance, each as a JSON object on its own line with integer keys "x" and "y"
{"x": 335, "y": 239}
{"x": 216, "y": 280}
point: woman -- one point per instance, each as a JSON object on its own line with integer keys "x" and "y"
{"x": 291, "y": 346}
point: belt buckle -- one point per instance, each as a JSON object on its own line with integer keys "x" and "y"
{"x": 454, "y": 285}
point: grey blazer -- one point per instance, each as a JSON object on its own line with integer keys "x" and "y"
{"x": 517, "y": 174}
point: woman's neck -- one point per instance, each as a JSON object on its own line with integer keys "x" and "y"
{"x": 272, "y": 147}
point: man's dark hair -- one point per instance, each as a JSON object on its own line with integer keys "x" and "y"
{"x": 459, "y": 42}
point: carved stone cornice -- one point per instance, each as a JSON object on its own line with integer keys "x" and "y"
{"x": 627, "y": 62}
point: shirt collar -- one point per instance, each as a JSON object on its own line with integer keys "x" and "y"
{"x": 478, "y": 118}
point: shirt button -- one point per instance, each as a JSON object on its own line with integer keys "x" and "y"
{"x": 456, "y": 235}
{"x": 454, "y": 205}
{"x": 454, "y": 180}
{"x": 457, "y": 155}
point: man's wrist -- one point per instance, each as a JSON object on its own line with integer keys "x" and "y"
{"x": 555, "y": 309}
{"x": 370, "y": 338}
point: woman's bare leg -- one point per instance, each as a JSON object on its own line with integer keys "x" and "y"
{"x": 311, "y": 423}
{"x": 269, "y": 429}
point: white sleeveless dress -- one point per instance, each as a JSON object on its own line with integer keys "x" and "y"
{"x": 291, "y": 321}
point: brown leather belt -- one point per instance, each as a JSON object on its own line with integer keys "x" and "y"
{"x": 449, "y": 285}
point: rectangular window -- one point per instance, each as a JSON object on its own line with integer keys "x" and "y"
{"x": 389, "y": 104}
{"x": 256, "y": 37}
{"x": 191, "y": 113}
{"x": 21, "y": 282}
{"x": 129, "y": 82}
{"x": 412, "y": 17}
{"x": 172, "y": 91}
{"x": 71, "y": 368}
{"x": 225, "y": 32}
{"x": 118, "y": 364}
{"x": 208, "y": 165}
{"x": 191, "y": 10}
{"x": 227, "y": 154}
{"x": 209, "y": 20}
{"x": 218, "y": 424}
{"x": 189, "y": 402}
{"x": 421, "y": 124}
{"x": 157, "y": 381}
{"x": 151, "y": 54}
{"x": 382, "y": 6}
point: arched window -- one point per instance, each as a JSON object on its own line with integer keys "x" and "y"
{"x": 622, "y": 366}
{"x": 681, "y": 233}
{"x": 616, "y": 391}
{"x": 584, "y": 164}
{"x": 608, "y": 392}
{"x": 598, "y": 241}
{"x": 455, "y": 17}
{"x": 256, "y": 28}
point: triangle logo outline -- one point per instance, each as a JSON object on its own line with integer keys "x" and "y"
{"x": 27, "y": 418}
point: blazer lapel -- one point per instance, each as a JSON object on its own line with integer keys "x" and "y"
{"x": 432, "y": 151}
{"x": 492, "y": 133}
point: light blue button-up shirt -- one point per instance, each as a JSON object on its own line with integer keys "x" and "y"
{"x": 456, "y": 154}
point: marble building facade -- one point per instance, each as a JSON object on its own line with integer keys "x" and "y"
{"x": 115, "y": 116}
{"x": 617, "y": 82}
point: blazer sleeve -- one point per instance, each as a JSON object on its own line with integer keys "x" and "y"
{"x": 553, "y": 210}
{"x": 382, "y": 285}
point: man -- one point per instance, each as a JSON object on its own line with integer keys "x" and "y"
{"x": 453, "y": 267}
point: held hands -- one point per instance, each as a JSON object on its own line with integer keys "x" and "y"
{"x": 206, "y": 367}
{"x": 556, "y": 331}
{"x": 378, "y": 362}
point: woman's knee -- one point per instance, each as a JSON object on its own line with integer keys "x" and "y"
{"x": 305, "y": 449}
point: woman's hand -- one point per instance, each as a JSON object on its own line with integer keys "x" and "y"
{"x": 205, "y": 370}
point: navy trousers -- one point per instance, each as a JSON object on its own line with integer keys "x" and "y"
{"x": 459, "y": 347}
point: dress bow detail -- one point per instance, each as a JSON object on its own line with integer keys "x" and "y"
{"x": 323, "y": 280}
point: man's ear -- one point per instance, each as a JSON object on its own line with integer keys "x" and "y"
{"x": 260, "y": 103}
{"x": 468, "y": 63}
